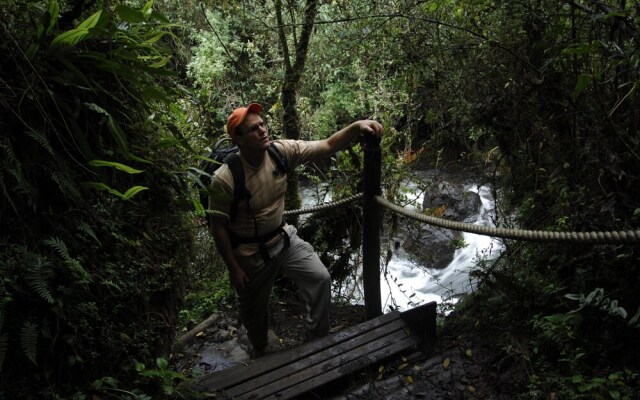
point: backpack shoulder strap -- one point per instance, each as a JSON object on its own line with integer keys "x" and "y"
{"x": 278, "y": 158}
{"x": 240, "y": 191}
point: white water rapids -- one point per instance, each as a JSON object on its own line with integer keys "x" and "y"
{"x": 405, "y": 284}
{"x": 408, "y": 284}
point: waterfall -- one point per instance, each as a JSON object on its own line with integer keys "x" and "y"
{"x": 411, "y": 285}
{"x": 404, "y": 284}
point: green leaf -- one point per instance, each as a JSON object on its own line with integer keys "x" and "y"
{"x": 162, "y": 363}
{"x": 155, "y": 38}
{"x": 129, "y": 14}
{"x": 116, "y": 165}
{"x": 76, "y": 35}
{"x": 147, "y": 10}
{"x": 584, "y": 80}
{"x": 91, "y": 21}
{"x": 578, "y": 49}
{"x": 102, "y": 186}
{"x": 48, "y": 20}
{"x": 133, "y": 191}
{"x": 71, "y": 37}
{"x": 124, "y": 196}
{"x": 154, "y": 93}
{"x": 54, "y": 11}
{"x": 32, "y": 50}
{"x": 161, "y": 63}
{"x": 200, "y": 211}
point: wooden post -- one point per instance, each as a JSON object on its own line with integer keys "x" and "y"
{"x": 371, "y": 227}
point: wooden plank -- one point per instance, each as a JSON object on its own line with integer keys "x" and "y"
{"x": 422, "y": 321}
{"x": 242, "y": 373}
{"x": 345, "y": 369}
{"x": 298, "y": 369}
{"x": 332, "y": 368}
{"x": 311, "y": 365}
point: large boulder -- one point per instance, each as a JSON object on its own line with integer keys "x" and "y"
{"x": 434, "y": 247}
{"x": 461, "y": 203}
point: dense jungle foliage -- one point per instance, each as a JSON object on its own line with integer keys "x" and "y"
{"x": 106, "y": 107}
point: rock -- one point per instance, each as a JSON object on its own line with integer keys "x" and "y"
{"x": 434, "y": 247}
{"x": 460, "y": 203}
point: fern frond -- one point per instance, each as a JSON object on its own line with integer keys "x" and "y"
{"x": 29, "y": 340}
{"x": 37, "y": 279}
{"x": 66, "y": 185}
{"x": 40, "y": 139}
{"x": 58, "y": 245}
{"x": 11, "y": 157}
{"x": 73, "y": 264}
{"x": 84, "y": 227}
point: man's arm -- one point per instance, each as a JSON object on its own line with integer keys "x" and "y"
{"x": 220, "y": 231}
{"x": 343, "y": 138}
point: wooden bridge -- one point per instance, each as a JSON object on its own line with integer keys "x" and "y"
{"x": 294, "y": 372}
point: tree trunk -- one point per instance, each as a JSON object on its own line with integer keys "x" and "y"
{"x": 293, "y": 74}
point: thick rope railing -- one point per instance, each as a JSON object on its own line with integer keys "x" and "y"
{"x": 325, "y": 206}
{"x": 629, "y": 236}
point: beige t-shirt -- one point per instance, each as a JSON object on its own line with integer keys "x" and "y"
{"x": 267, "y": 192}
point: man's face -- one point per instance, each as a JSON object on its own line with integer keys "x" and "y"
{"x": 252, "y": 133}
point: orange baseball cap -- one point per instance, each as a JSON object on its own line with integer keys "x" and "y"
{"x": 238, "y": 116}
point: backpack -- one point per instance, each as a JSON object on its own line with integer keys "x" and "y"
{"x": 229, "y": 155}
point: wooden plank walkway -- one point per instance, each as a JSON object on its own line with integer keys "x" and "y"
{"x": 293, "y": 372}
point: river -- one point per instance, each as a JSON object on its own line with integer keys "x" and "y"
{"x": 405, "y": 284}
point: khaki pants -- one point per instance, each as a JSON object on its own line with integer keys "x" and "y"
{"x": 299, "y": 263}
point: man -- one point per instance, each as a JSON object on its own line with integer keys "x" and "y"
{"x": 256, "y": 244}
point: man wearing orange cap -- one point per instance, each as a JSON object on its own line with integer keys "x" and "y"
{"x": 256, "y": 244}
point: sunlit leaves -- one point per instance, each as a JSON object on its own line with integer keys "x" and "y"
{"x": 128, "y": 195}
{"x": 116, "y": 165}
{"x": 74, "y": 36}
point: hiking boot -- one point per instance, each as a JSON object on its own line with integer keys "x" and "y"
{"x": 258, "y": 352}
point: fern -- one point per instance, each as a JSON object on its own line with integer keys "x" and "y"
{"x": 13, "y": 159}
{"x": 84, "y": 227}
{"x": 58, "y": 245}
{"x": 40, "y": 139}
{"x": 67, "y": 186}
{"x": 36, "y": 278}
{"x": 29, "y": 340}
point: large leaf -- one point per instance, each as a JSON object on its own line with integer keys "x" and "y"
{"x": 128, "y": 14}
{"x": 133, "y": 191}
{"x": 125, "y": 196}
{"x": 76, "y": 35}
{"x": 116, "y": 165}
